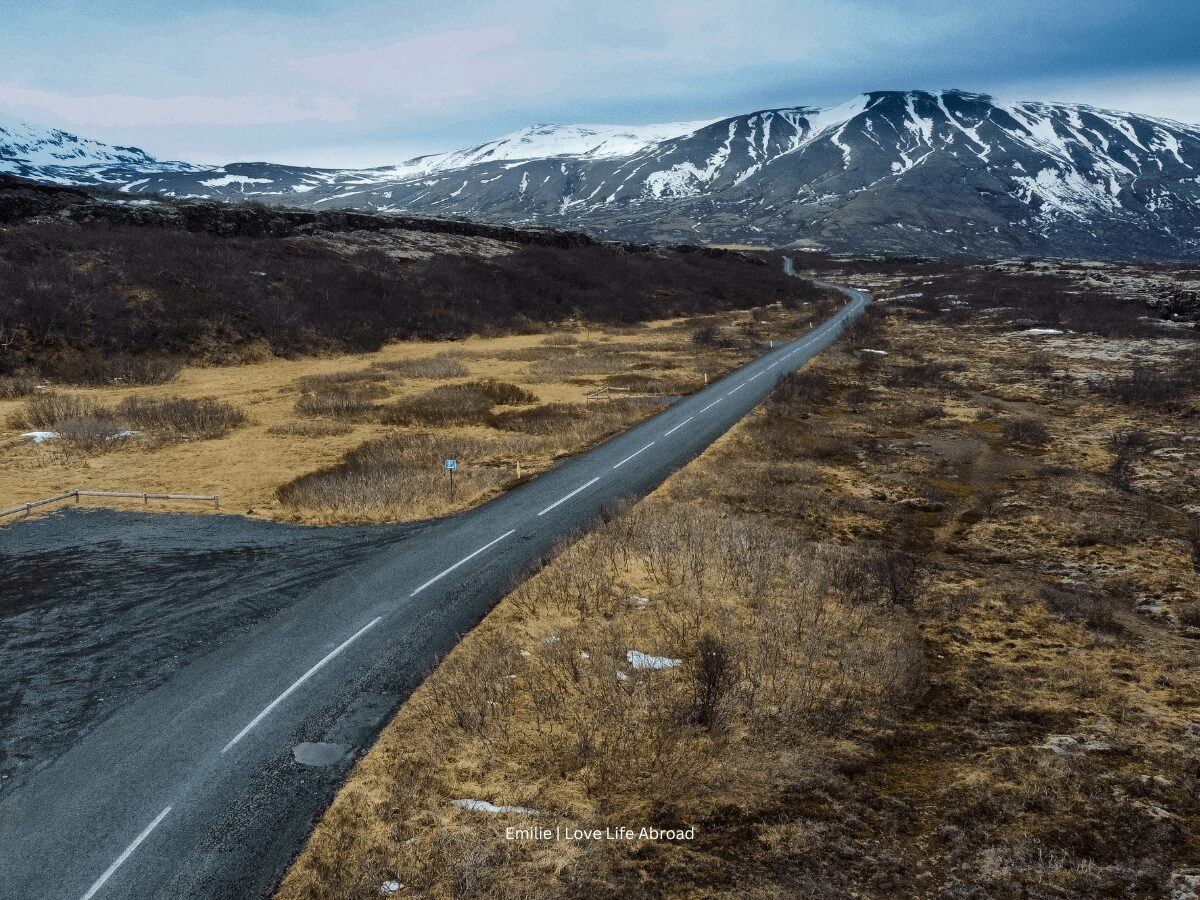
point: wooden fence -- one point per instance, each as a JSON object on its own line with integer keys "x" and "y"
{"x": 605, "y": 392}
{"x": 143, "y": 496}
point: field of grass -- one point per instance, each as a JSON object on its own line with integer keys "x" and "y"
{"x": 925, "y": 624}
{"x": 360, "y": 437}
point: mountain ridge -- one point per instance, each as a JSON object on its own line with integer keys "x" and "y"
{"x": 947, "y": 172}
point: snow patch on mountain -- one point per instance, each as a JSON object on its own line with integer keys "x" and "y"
{"x": 227, "y": 180}
{"x": 544, "y": 142}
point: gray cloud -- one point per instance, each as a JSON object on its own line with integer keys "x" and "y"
{"x": 327, "y": 81}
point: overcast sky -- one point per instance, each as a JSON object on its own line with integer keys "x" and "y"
{"x": 350, "y": 82}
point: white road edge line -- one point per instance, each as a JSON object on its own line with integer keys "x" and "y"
{"x": 632, "y": 455}
{"x": 677, "y": 427}
{"x": 569, "y": 496}
{"x": 108, "y": 873}
{"x": 467, "y": 558}
{"x": 299, "y": 681}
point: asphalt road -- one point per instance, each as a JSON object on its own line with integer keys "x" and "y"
{"x": 206, "y": 785}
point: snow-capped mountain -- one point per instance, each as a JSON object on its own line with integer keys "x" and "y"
{"x": 930, "y": 172}
{"x": 39, "y": 153}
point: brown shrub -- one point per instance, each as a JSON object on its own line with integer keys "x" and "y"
{"x": 501, "y": 393}
{"x": 92, "y": 433}
{"x": 46, "y": 411}
{"x": 443, "y": 365}
{"x": 797, "y": 390}
{"x": 1150, "y": 387}
{"x": 14, "y": 387}
{"x": 451, "y": 404}
{"x": 403, "y": 470}
{"x": 342, "y": 401}
{"x": 205, "y": 418}
{"x": 1027, "y": 431}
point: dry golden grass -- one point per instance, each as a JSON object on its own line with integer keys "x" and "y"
{"x": 1052, "y": 756}
{"x": 297, "y": 421}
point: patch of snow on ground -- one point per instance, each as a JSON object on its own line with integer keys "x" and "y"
{"x": 1037, "y": 331}
{"x": 40, "y": 437}
{"x": 390, "y": 887}
{"x": 640, "y": 661}
{"x": 485, "y": 806}
{"x": 1069, "y": 744}
{"x": 877, "y": 352}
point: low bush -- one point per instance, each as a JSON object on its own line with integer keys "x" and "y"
{"x": 353, "y": 400}
{"x": 575, "y": 425}
{"x": 451, "y": 404}
{"x": 443, "y": 365}
{"x": 1027, "y": 431}
{"x": 205, "y": 418}
{"x": 797, "y": 390}
{"x": 14, "y": 387}
{"x": 43, "y": 413}
{"x": 548, "y": 418}
{"x": 92, "y": 433}
{"x": 1151, "y": 387}
{"x": 404, "y": 470}
{"x": 921, "y": 374}
{"x": 501, "y": 393}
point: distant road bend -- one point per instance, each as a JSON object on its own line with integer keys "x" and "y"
{"x": 194, "y": 789}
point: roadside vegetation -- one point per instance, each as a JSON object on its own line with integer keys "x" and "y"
{"x": 925, "y": 624}
{"x": 81, "y": 424}
{"x": 340, "y": 432}
{"x": 108, "y": 304}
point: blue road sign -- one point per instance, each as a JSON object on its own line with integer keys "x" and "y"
{"x": 452, "y": 464}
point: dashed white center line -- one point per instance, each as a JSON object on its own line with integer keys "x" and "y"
{"x": 677, "y": 427}
{"x": 465, "y": 559}
{"x": 108, "y": 873}
{"x": 752, "y": 377}
{"x": 711, "y": 405}
{"x": 736, "y": 389}
{"x": 632, "y": 455}
{"x": 299, "y": 681}
{"x": 568, "y": 496}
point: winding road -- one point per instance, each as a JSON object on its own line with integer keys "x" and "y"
{"x": 197, "y": 789}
